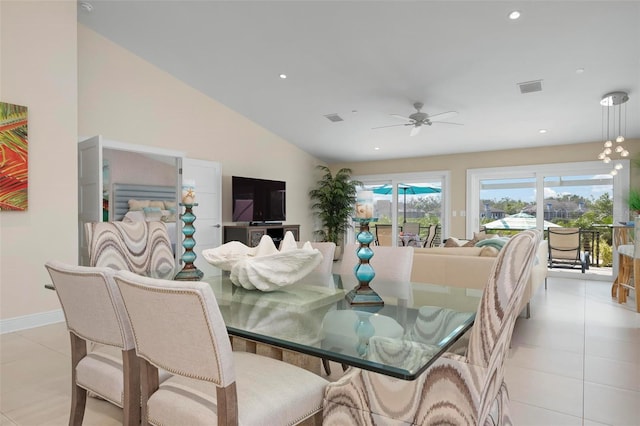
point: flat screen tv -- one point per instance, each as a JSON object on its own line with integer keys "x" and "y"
{"x": 258, "y": 200}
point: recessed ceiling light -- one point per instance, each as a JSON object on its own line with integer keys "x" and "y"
{"x": 514, "y": 15}
{"x": 283, "y": 76}
{"x": 579, "y": 70}
{"x": 377, "y": 148}
{"x": 542, "y": 131}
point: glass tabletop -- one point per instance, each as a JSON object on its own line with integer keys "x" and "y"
{"x": 400, "y": 339}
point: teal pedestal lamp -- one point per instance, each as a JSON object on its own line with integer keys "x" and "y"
{"x": 189, "y": 272}
{"x": 364, "y": 296}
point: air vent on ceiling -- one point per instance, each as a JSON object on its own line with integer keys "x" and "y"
{"x": 334, "y": 117}
{"x": 530, "y": 86}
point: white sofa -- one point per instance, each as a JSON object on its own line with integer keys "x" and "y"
{"x": 469, "y": 267}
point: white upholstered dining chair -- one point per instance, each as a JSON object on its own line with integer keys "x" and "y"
{"x": 94, "y": 312}
{"x": 390, "y": 264}
{"x": 454, "y": 389}
{"x": 178, "y": 326}
{"x": 140, "y": 247}
{"x": 328, "y": 250}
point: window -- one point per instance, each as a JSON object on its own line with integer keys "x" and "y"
{"x": 580, "y": 194}
{"x": 415, "y": 198}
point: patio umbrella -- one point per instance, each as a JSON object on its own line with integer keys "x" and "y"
{"x": 517, "y": 221}
{"x": 405, "y": 189}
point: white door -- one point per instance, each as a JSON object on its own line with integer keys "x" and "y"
{"x": 207, "y": 179}
{"x": 89, "y": 190}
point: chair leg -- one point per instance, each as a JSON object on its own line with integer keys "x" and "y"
{"x": 528, "y": 314}
{"x": 327, "y": 367}
{"x": 131, "y": 392}
{"x": 78, "y": 394}
{"x": 149, "y": 383}
{"x": 78, "y": 404}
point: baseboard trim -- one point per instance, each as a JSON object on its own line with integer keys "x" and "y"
{"x": 25, "y": 322}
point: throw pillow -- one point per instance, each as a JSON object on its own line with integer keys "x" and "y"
{"x": 158, "y": 204}
{"x": 497, "y": 242}
{"x": 452, "y": 242}
{"x": 470, "y": 243}
{"x": 135, "y": 205}
{"x": 482, "y": 235}
{"x": 152, "y": 214}
{"x": 489, "y": 251}
{"x": 170, "y": 205}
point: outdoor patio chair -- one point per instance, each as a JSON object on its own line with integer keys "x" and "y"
{"x": 564, "y": 249}
{"x": 431, "y": 236}
{"x": 383, "y": 235}
{"x": 411, "y": 230}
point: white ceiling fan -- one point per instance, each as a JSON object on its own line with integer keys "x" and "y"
{"x": 419, "y": 119}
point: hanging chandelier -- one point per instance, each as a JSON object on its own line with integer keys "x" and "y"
{"x": 613, "y": 129}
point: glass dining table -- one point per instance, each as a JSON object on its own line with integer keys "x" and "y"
{"x": 311, "y": 319}
{"x": 417, "y": 323}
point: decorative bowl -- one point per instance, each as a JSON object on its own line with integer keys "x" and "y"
{"x": 265, "y": 267}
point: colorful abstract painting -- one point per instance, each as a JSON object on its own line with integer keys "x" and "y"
{"x": 13, "y": 157}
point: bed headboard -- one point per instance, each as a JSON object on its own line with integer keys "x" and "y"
{"x": 123, "y": 192}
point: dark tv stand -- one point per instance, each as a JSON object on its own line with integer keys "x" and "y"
{"x": 265, "y": 223}
{"x": 251, "y": 234}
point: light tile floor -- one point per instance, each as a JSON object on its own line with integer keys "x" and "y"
{"x": 576, "y": 361}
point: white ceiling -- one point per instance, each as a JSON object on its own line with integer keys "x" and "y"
{"x": 365, "y": 60}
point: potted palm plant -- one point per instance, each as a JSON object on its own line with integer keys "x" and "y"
{"x": 333, "y": 200}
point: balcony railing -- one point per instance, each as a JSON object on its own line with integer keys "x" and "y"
{"x": 590, "y": 240}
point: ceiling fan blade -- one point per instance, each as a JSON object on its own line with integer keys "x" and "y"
{"x": 448, "y": 122}
{"x": 442, "y": 116}
{"x": 415, "y": 130}
{"x": 401, "y": 117}
{"x": 393, "y": 125}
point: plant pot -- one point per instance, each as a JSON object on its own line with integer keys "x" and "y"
{"x": 337, "y": 255}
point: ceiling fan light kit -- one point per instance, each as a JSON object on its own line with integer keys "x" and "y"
{"x": 612, "y": 112}
{"x": 419, "y": 119}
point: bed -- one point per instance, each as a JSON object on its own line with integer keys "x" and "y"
{"x": 147, "y": 203}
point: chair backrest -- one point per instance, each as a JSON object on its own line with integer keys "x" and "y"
{"x": 564, "y": 243}
{"x": 92, "y": 305}
{"x": 190, "y": 338}
{"x": 411, "y": 228}
{"x": 498, "y": 310}
{"x": 431, "y": 235}
{"x": 383, "y": 235}
{"x": 140, "y": 247}
{"x": 328, "y": 251}
{"x": 389, "y": 264}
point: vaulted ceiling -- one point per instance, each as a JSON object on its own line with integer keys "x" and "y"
{"x": 365, "y": 60}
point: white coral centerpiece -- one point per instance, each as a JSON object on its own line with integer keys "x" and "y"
{"x": 265, "y": 267}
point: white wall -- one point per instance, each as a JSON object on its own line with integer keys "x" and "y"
{"x": 38, "y": 51}
{"x": 126, "y": 99}
{"x": 77, "y": 83}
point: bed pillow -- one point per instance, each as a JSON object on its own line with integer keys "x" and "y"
{"x": 134, "y": 216}
{"x": 158, "y": 204}
{"x": 168, "y": 205}
{"x": 136, "y": 205}
{"x": 152, "y": 214}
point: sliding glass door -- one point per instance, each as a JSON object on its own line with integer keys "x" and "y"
{"x": 406, "y": 205}
{"x": 582, "y": 195}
